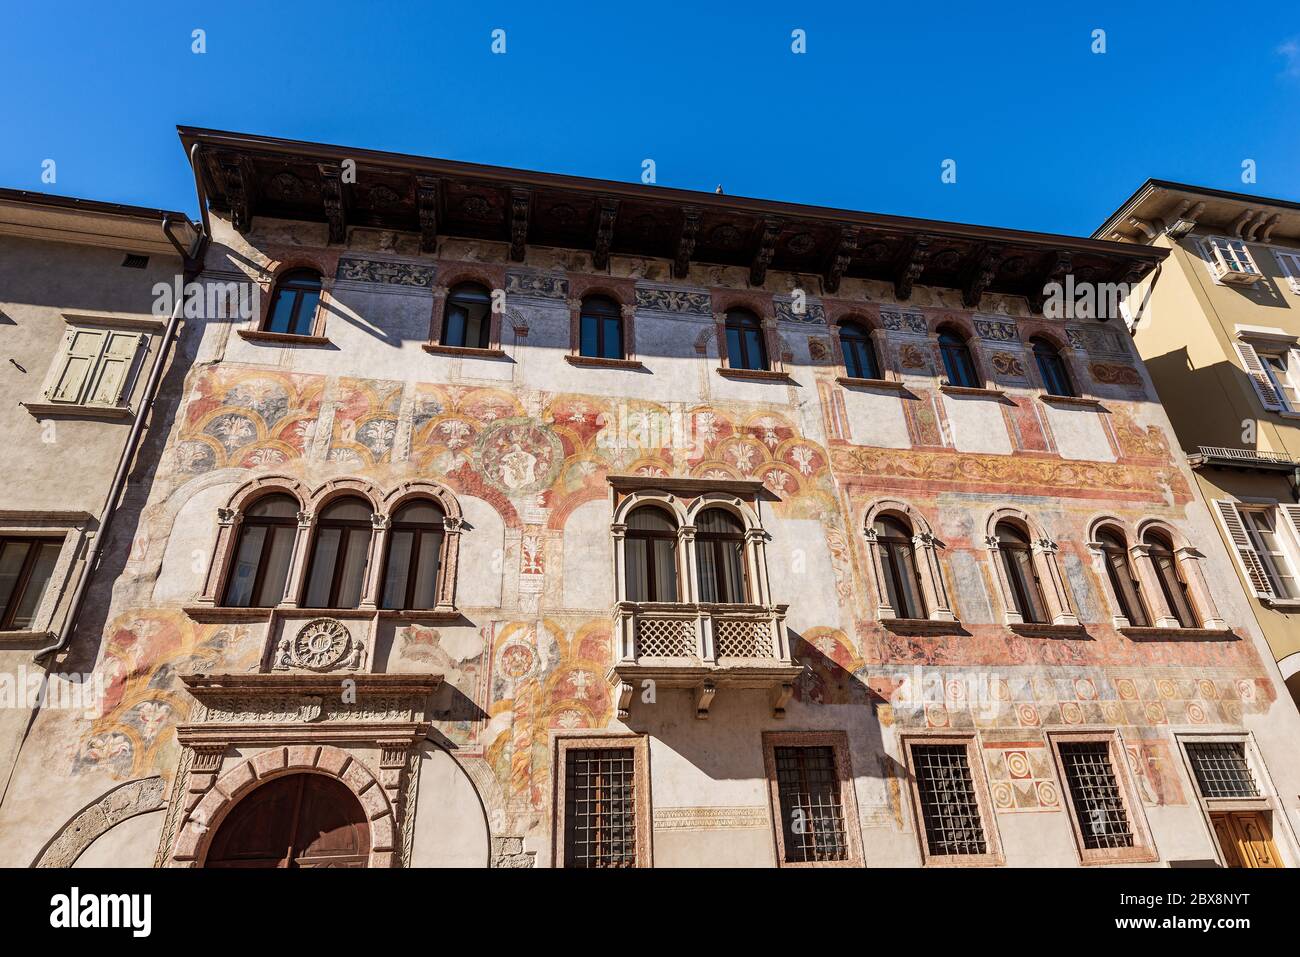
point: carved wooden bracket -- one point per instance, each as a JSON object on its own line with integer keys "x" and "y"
{"x": 981, "y": 275}
{"x": 911, "y": 263}
{"x": 765, "y": 251}
{"x": 1061, "y": 264}
{"x": 331, "y": 189}
{"x": 520, "y": 204}
{"x": 426, "y": 198}
{"x": 605, "y": 232}
{"x": 686, "y": 241}
{"x": 850, "y": 242}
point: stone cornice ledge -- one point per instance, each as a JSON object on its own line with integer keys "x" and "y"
{"x": 204, "y": 686}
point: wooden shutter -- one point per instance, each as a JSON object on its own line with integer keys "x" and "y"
{"x": 1247, "y": 558}
{"x": 114, "y": 372}
{"x": 1259, "y": 376}
{"x": 83, "y": 350}
{"x": 1290, "y": 266}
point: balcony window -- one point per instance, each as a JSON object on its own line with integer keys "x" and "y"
{"x": 650, "y": 550}
{"x": 719, "y": 550}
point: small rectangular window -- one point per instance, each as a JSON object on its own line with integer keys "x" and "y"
{"x": 600, "y": 814}
{"x": 26, "y": 565}
{"x": 96, "y": 367}
{"x": 949, "y": 808}
{"x": 1105, "y": 813}
{"x": 1222, "y": 770}
{"x": 812, "y": 815}
{"x": 1230, "y": 260}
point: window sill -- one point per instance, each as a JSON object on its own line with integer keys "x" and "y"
{"x": 24, "y": 637}
{"x": 754, "y": 375}
{"x": 1046, "y": 630}
{"x": 922, "y": 626}
{"x": 1282, "y": 604}
{"x": 67, "y": 410}
{"x": 595, "y": 362}
{"x": 852, "y": 382}
{"x": 429, "y": 614}
{"x": 282, "y": 338}
{"x": 1083, "y": 402}
{"x": 1155, "y": 634}
{"x": 951, "y": 389}
{"x": 439, "y": 349}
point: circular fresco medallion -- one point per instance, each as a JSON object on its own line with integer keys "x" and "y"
{"x": 518, "y": 455}
{"x": 321, "y": 644}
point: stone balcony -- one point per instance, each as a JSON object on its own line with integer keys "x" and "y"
{"x": 703, "y": 647}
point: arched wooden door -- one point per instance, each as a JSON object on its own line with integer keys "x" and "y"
{"x": 301, "y": 820}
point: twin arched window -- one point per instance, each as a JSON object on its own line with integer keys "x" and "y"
{"x": 859, "y": 353}
{"x": 745, "y": 346}
{"x": 958, "y": 365}
{"x": 1051, "y": 367}
{"x": 339, "y": 555}
{"x": 650, "y": 556}
{"x": 467, "y": 318}
{"x": 294, "y": 302}
{"x": 1173, "y": 585}
{"x": 600, "y": 331}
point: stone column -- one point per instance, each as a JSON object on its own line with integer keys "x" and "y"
{"x": 229, "y": 521}
{"x": 1190, "y": 561}
{"x": 1013, "y": 617}
{"x": 1049, "y": 573}
{"x": 370, "y": 592}
{"x": 925, "y": 547}
{"x": 294, "y": 577}
{"x": 448, "y": 564}
{"x": 1155, "y": 595}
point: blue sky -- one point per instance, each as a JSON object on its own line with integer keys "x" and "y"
{"x": 1046, "y": 134}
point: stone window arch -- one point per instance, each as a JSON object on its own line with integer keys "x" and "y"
{"x": 752, "y": 539}
{"x": 671, "y": 506}
{"x": 467, "y": 305}
{"x": 1110, "y": 543}
{"x": 602, "y": 323}
{"x": 1173, "y": 577}
{"x": 957, "y": 358}
{"x": 859, "y": 348}
{"x": 1024, "y": 557}
{"x": 901, "y": 545}
{"x": 448, "y": 553}
{"x": 231, "y": 537}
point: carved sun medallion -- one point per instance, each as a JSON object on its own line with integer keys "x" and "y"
{"x": 321, "y": 644}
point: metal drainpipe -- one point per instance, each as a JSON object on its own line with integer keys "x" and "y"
{"x": 124, "y": 464}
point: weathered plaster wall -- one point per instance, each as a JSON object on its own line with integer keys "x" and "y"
{"x": 530, "y": 660}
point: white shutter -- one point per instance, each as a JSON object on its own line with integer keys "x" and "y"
{"x": 114, "y": 368}
{"x": 83, "y": 351}
{"x": 1248, "y": 559}
{"x": 1254, "y": 367}
{"x": 1289, "y": 263}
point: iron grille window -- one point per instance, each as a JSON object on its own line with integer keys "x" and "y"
{"x": 1095, "y": 792}
{"x": 1221, "y": 770}
{"x": 599, "y": 808}
{"x": 812, "y": 815}
{"x": 948, "y": 803}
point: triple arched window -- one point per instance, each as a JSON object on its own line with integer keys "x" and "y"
{"x": 273, "y": 551}
{"x": 651, "y": 557}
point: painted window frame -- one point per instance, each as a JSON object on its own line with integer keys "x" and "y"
{"x": 993, "y": 856}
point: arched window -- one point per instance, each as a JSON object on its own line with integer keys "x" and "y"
{"x": 898, "y": 558}
{"x": 414, "y": 550}
{"x": 1022, "y": 575}
{"x": 1123, "y": 580}
{"x": 745, "y": 346}
{"x": 859, "y": 354}
{"x": 1051, "y": 367}
{"x": 720, "y": 554}
{"x": 957, "y": 362}
{"x": 262, "y": 556}
{"x": 1172, "y": 585}
{"x": 650, "y": 553}
{"x": 467, "y": 320}
{"x": 601, "y": 328}
{"x": 294, "y": 302}
{"x": 337, "y": 571}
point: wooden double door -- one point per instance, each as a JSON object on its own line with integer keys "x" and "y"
{"x": 301, "y": 820}
{"x": 1246, "y": 838}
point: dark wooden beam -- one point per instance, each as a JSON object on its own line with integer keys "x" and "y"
{"x": 521, "y": 201}
{"x": 331, "y": 191}
{"x": 426, "y": 201}
{"x": 981, "y": 275}
{"x": 604, "y": 232}
{"x": 686, "y": 241}
{"x": 910, "y": 264}
{"x": 766, "y": 250}
{"x": 849, "y": 243}
{"x": 1062, "y": 262}
{"x": 236, "y": 174}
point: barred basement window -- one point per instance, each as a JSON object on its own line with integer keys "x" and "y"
{"x": 600, "y": 808}
{"x": 1095, "y": 793}
{"x": 1222, "y": 770}
{"x": 948, "y": 803}
{"x": 812, "y": 815}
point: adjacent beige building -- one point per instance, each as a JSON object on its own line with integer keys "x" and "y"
{"x": 1218, "y": 325}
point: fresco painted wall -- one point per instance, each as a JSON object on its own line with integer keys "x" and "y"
{"x": 526, "y": 444}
